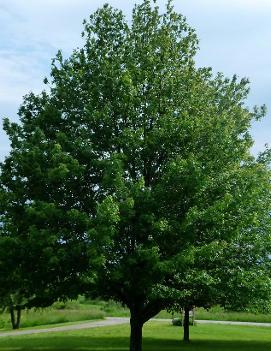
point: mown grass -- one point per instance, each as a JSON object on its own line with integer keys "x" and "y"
{"x": 157, "y": 337}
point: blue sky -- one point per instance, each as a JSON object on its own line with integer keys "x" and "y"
{"x": 235, "y": 37}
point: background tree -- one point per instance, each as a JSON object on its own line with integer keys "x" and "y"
{"x": 135, "y": 161}
{"x": 232, "y": 268}
{"x": 44, "y": 251}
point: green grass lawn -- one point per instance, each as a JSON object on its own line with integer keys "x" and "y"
{"x": 157, "y": 337}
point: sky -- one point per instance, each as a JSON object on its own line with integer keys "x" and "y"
{"x": 235, "y": 38}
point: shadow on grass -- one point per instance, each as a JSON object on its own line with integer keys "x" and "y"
{"x": 76, "y": 343}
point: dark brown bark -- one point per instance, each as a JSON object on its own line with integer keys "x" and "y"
{"x": 186, "y": 325}
{"x": 15, "y": 316}
{"x": 151, "y": 310}
{"x": 12, "y": 316}
{"x": 141, "y": 313}
{"x": 136, "y": 334}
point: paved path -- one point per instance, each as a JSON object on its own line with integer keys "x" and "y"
{"x": 114, "y": 321}
{"x": 87, "y": 325}
{"x": 255, "y": 324}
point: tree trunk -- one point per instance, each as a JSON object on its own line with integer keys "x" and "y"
{"x": 193, "y": 315}
{"x": 18, "y": 322}
{"x": 140, "y": 314}
{"x": 15, "y": 316}
{"x": 12, "y": 317}
{"x": 186, "y": 325}
{"x": 136, "y": 334}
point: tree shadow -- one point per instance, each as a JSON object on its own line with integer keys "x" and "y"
{"x": 206, "y": 345}
{"x": 109, "y": 343}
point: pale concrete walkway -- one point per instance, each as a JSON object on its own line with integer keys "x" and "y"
{"x": 107, "y": 322}
{"x": 254, "y": 324}
{"x": 115, "y": 321}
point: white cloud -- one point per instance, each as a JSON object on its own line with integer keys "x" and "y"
{"x": 226, "y": 4}
{"x": 55, "y": 23}
{"x": 21, "y": 71}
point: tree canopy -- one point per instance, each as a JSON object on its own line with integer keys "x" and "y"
{"x": 131, "y": 176}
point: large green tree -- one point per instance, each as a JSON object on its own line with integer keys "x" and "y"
{"x": 134, "y": 166}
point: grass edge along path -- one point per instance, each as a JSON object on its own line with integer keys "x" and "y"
{"x": 108, "y": 321}
{"x": 82, "y": 310}
{"x": 70, "y": 327}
